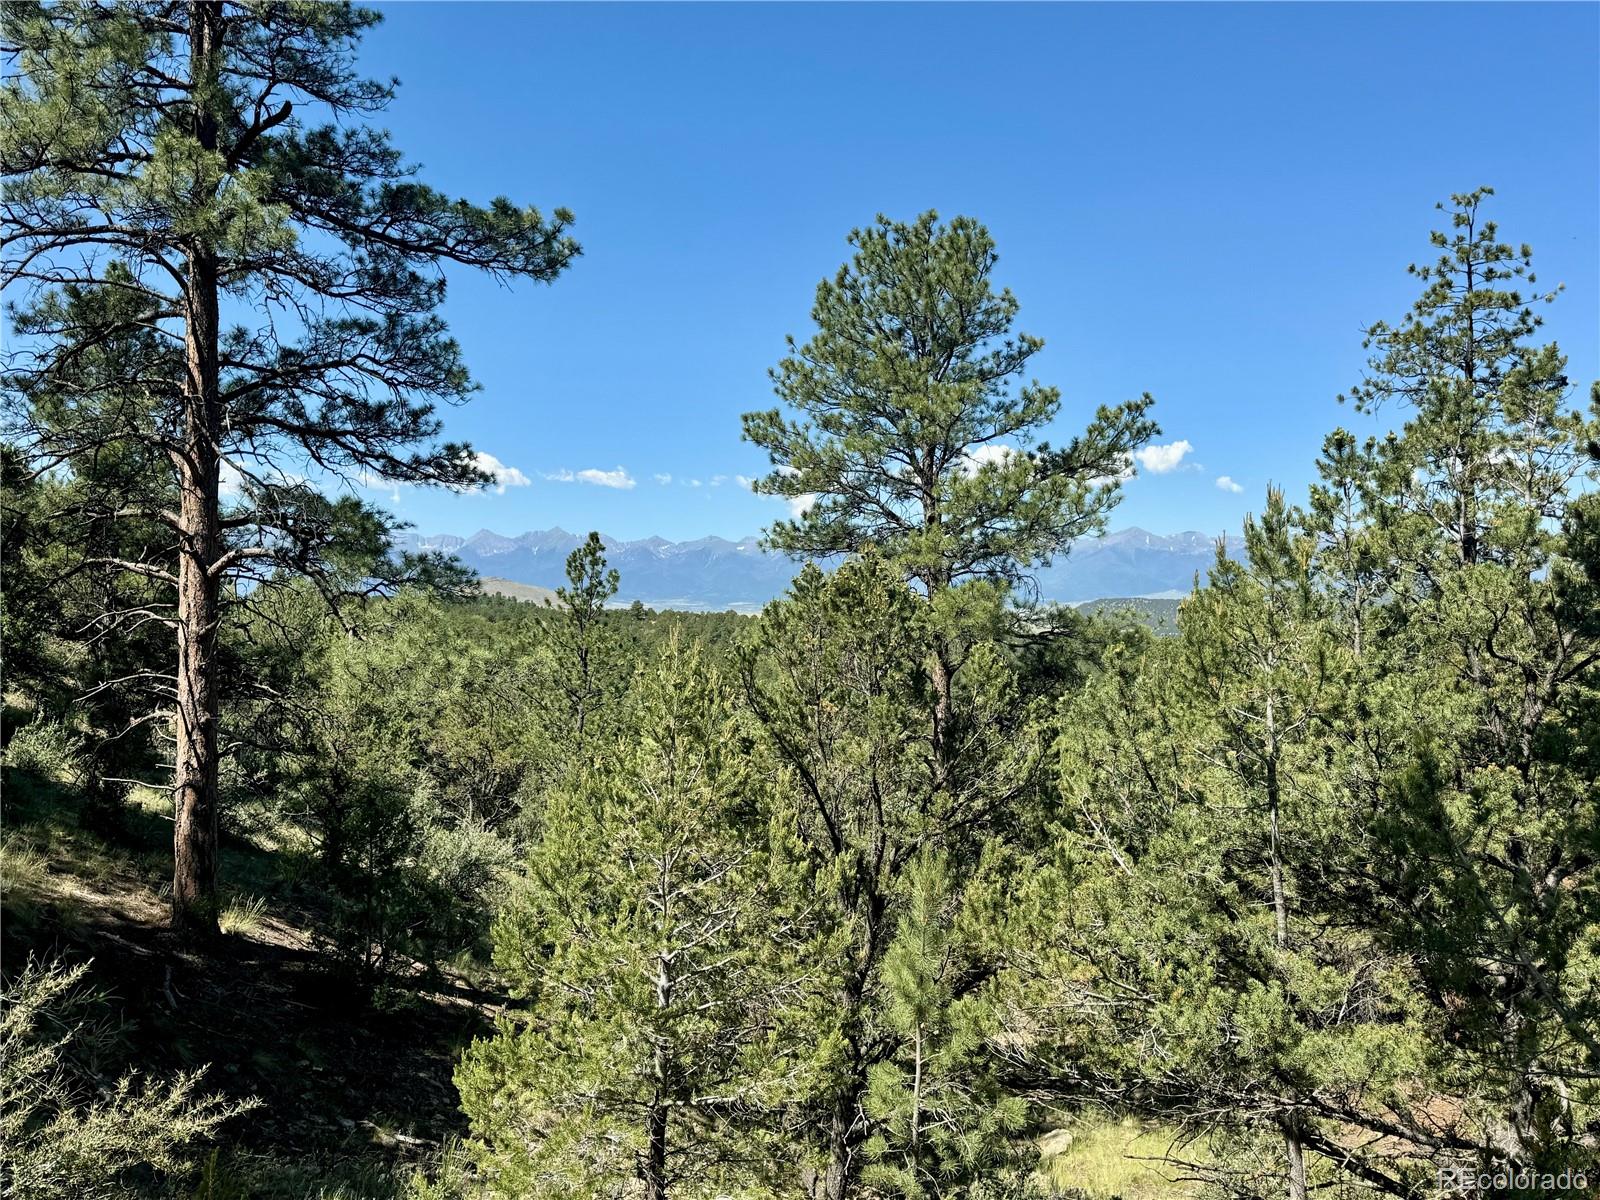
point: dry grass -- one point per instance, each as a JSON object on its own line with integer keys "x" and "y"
{"x": 22, "y": 874}
{"x": 1111, "y": 1160}
{"x": 243, "y": 915}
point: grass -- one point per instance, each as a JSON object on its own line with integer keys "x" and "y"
{"x": 243, "y": 915}
{"x": 234, "y": 1175}
{"x": 1111, "y": 1160}
{"x": 353, "y": 1098}
{"x": 22, "y": 876}
{"x": 61, "y": 864}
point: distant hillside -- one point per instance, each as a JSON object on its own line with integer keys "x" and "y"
{"x": 1158, "y": 612}
{"x": 712, "y": 573}
{"x": 1131, "y": 562}
{"x": 530, "y": 592}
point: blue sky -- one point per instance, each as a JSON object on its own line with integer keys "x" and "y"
{"x": 1203, "y": 202}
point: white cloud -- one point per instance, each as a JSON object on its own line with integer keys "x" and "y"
{"x": 992, "y": 453}
{"x": 618, "y": 478}
{"x": 744, "y": 481}
{"x": 1158, "y": 460}
{"x": 663, "y": 478}
{"x": 800, "y": 505}
{"x": 718, "y": 480}
{"x": 1228, "y": 485}
{"x": 502, "y": 475}
{"x": 694, "y": 483}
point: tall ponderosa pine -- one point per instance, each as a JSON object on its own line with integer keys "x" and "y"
{"x": 1477, "y": 760}
{"x": 175, "y": 167}
{"x": 1485, "y": 436}
{"x": 913, "y": 432}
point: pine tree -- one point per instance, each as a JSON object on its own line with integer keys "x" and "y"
{"x": 838, "y": 677}
{"x": 1327, "y": 870}
{"x": 913, "y": 433}
{"x": 167, "y": 174}
{"x": 647, "y": 944}
{"x": 1477, "y": 760}
{"x": 586, "y": 657}
{"x": 1484, "y": 426}
{"x": 942, "y": 1120}
{"x": 1349, "y": 559}
{"x": 1200, "y": 967}
{"x": 1259, "y": 661}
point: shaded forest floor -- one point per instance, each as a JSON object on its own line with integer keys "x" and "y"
{"x": 351, "y": 1092}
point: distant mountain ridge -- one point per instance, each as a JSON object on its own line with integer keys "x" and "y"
{"x": 714, "y": 573}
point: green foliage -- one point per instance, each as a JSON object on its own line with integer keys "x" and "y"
{"x": 1324, "y": 885}
{"x": 401, "y": 774}
{"x": 942, "y": 1120}
{"x": 910, "y": 434}
{"x": 44, "y": 748}
{"x": 403, "y": 886}
{"x": 27, "y": 606}
{"x": 1195, "y": 957}
{"x": 414, "y": 748}
{"x": 583, "y": 671}
{"x": 60, "y": 1137}
{"x": 1478, "y": 763}
{"x": 838, "y": 677}
{"x": 164, "y": 168}
{"x": 830, "y": 901}
{"x": 645, "y": 942}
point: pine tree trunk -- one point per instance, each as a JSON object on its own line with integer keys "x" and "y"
{"x": 1280, "y": 902}
{"x": 1297, "y": 1163}
{"x": 943, "y": 678}
{"x": 916, "y": 1106}
{"x": 842, "y": 1131}
{"x": 937, "y": 581}
{"x": 655, "y": 1166}
{"x": 836, "y": 1183}
{"x": 194, "y": 849}
{"x": 942, "y": 687}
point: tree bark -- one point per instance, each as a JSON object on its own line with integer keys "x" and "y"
{"x": 194, "y": 849}
{"x": 1297, "y": 1163}
{"x": 195, "y": 829}
{"x": 942, "y": 688}
{"x": 836, "y": 1181}
{"x": 936, "y": 579}
{"x": 655, "y": 1165}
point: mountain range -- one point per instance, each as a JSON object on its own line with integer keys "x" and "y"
{"x": 713, "y": 573}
